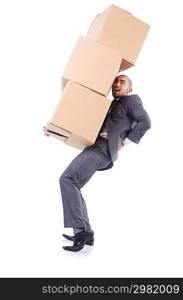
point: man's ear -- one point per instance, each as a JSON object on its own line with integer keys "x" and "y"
{"x": 129, "y": 90}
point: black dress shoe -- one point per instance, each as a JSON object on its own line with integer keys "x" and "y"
{"x": 90, "y": 242}
{"x": 80, "y": 240}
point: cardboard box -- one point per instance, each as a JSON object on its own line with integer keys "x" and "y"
{"x": 78, "y": 116}
{"x": 92, "y": 65}
{"x": 74, "y": 141}
{"x": 120, "y": 30}
{"x": 64, "y": 134}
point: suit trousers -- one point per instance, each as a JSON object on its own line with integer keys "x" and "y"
{"x": 76, "y": 175}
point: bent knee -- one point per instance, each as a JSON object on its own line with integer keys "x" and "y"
{"x": 62, "y": 178}
{"x": 71, "y": 178}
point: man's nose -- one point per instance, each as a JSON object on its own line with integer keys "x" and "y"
{"x": 117, "y": 84}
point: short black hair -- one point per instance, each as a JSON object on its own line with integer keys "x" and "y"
{"x": 128, "y": 78}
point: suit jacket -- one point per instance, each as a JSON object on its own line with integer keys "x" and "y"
{"x": 126, "y": 117}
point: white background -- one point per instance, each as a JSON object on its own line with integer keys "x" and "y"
{"x": 136, "y": 207}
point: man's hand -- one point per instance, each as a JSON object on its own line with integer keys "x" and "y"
{"x": 45, "y": 131}
{"x": 121, "y": 146}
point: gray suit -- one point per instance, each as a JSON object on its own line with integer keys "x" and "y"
{"x": 126, "y": 118}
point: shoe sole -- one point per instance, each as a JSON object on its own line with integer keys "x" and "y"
{"x": 88, "y": 243}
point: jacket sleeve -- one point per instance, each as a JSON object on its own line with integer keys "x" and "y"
{"x": 138, "y": 114}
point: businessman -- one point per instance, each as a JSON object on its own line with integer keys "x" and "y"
{"x": 126, "y": 121}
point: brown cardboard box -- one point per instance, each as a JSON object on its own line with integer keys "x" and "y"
{"x": 120, "y": 30}
{"x": 73, "y": 140}
{"x": 92, "y": 65}
{"x": 78, "y": 116}
{"x": 63, "y": 134}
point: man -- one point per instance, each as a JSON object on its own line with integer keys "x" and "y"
{"x": 126, "y": 121}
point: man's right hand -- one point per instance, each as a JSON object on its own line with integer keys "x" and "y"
{"x": 121, "y": 146}
{"x": 45, "y": 131}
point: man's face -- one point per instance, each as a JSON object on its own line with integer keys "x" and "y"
{"x": 121, "y": 86}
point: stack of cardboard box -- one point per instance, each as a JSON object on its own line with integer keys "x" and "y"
{"x": 112, "y": 44}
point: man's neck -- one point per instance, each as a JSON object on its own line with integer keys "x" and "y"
{"x": 117, "y": 98}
